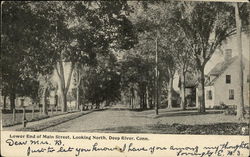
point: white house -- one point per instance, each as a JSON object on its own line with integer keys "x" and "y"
{"x": 222, "y": 83}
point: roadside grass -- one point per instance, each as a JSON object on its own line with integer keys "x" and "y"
{"x": 51, "y": 123}
{"x": 211, "y": 129}
{"x": 213, "y": 122}
{"x": 208, "y": 129}
{"x": 7, "y": 118}
{"x": 58, "y": 121}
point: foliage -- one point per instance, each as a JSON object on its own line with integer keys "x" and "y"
{"x": 22, "y": 56}
{"x": 205, "y": 26}
{"x": 102, "y": 83}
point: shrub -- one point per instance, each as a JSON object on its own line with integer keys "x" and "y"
{"x": 247, "y": 111}
{"x": 230, "y": 111}
{"x": 216, "y": 107}
{"x": 223, "y": 105}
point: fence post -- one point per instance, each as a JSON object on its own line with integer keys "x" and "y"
{"x": 40, "y": 109}
{"x": 33, "y": 110}
{"x": 56, "y": 102}
{"x": 24, "y": 118}
{"x": 51, "y": 106}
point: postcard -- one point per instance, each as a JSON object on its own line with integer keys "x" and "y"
{"x": 125, "y": 78}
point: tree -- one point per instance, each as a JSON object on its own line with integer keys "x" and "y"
{"x": 79, "y": 72}
{"x": 22, "y": 57}
{"x": 177, "y": 55}
{"x": 45, "y": 86}
{"x": 101, "y": 83}
{"x": 171, "y": 67}
{"x": 153, "y": 24}
{"x": 80, "y": 30}
{"x": 206, "y": 25}
{"x": 137, "y": 77}
{"x": 238, "y": 21}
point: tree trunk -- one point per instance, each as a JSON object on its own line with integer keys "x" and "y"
{"x": 132, "y": 97}
{"x": 77, "y": 97}
{"x": 147, "y": 98}
{"x": 170, "y": 90}
{"x": 156, "y": 96}
{"x": 159, "y": 92}
{"x": 240, "y": 107}
{"x": 12, "y": 100}
{"x": 97, "y": 105}
{"x": 130, "y": 101}
{"x": 79, "y": 77}
{"x": 156, "y": 76}
{"x": 141, "y": 101}
{"x": 64, "y": 88}
{"x": 45, "y": 106}
{"x": 64, "y": 101}
{"x": 201, "y": 91}
{"x": 144, "y": 104}
{"x": 183, "y": 92}
{"x": 4, "y": 102}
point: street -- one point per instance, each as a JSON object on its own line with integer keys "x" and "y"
{"x": 110, "y": 118}
{"x": 120, "y": 119}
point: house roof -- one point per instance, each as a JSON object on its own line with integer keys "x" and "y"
{"x": 218, "y": 70}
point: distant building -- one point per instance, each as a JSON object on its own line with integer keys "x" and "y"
{"x": 222, "y": 83}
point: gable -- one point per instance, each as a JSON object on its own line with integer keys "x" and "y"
{"x": 220, "y": 68}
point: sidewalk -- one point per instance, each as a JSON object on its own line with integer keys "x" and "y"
{"x": 46, "y": 123}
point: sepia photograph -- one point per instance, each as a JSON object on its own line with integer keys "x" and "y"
{"x": 132, "y": 67}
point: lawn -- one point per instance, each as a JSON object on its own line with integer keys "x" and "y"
{"x": 213, "y": 122}
{"x": 7, "y": 117}
{"x": 209, "y": 129}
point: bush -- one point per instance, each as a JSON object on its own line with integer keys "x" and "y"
{"x": 247, "y": 110}
{"x": 222, "y": 106}
{"x": 216, "y": 107}
{"x": 230, "y": 111}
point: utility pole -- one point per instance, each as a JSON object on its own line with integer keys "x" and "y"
{"x": 156, "y": 76}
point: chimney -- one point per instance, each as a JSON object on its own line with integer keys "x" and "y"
{"x": 228, "y": 55}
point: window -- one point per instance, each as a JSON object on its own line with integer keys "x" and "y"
{"x": 231, "y": 94}
{"x": 228, "y": 79}
{"x": 248, "y": 78}
{"x": 209, "y": 95}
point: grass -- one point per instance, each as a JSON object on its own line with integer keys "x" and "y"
{"x": 53, "y": 123}
{"x": 7, "y": 118}
{"x": 174, "y": 121}
{"x": 58, "y": 121}
{"x": 211, "y": 129}
{"x": 208, "y": 129}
